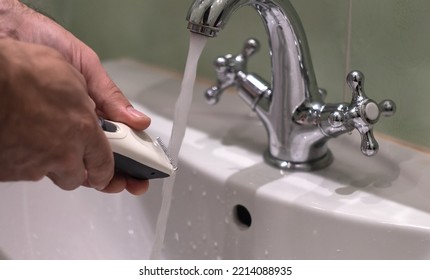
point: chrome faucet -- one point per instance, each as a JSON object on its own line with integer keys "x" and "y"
{"x": 292, "y": 107}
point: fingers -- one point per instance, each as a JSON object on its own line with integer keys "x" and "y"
{"x": 67, "y": 180}
{"x": 137, "y": 187}
{"x": 98, "y": 160}
{"x": 110, "y": 101}
{"x": 84, "y": 159}
{"x": 112, "y": 104}
{"x": 120, "y": 182}
{"x": 69, "y": 172}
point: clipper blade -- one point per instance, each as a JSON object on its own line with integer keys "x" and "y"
{"x": 166, "y": 152}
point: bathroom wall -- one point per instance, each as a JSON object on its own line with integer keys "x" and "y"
{"x": 388, "y": 40}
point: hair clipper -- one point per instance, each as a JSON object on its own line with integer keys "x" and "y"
{"x": 136, "y": 153}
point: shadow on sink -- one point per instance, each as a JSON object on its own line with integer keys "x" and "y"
{"x": 3, "y": 256}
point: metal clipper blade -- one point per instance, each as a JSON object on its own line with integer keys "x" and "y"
{"x": 166, "y": 152}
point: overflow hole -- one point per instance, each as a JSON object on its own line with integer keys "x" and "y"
{"x": 242, "y": 215}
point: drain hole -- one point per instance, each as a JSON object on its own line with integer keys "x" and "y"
{"x": 243, "y": 217}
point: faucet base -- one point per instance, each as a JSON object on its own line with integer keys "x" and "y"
{"x": 320, "y": 163}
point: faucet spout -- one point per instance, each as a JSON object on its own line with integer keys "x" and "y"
{"x": 291, "y": 105}
{"x": 208, "y": 17}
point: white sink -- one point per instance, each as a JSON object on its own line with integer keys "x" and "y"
{"x": 228, "y": 203}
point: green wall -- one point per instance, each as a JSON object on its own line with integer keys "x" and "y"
{"x": 387, "y": 39}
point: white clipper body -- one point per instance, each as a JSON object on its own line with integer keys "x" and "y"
{"x": 136, "y": 153}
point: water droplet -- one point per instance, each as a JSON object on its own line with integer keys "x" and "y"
{"x": 266, "y": 253}
{"x": 189, "y": 223}
{"x": 226, "y": 220}
{"x": 215, "y": 244}
{"x": 131, "y": 231}
{"x": 204, "y": 237}
{"x": 190, "y": 188}
{"x": 177, "y": 236}
{"x": 204, "y": 194}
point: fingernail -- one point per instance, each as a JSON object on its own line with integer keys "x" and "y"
{"x": 135, "y": 112}
{"x": 99, "y": 188}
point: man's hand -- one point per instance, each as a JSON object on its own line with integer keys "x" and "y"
{"x": 49, "y": 126}
{"x": 25, "y": 25}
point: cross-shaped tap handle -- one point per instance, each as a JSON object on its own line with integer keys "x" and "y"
{"x": 363, "y": 112}
{"x": 227, "y": 67}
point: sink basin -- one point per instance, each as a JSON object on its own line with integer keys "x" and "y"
{"x": 229, "y": 204}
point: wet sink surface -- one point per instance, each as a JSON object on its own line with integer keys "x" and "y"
{"x": 227, "y": 202}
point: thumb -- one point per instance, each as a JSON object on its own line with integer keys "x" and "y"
{"x": 110, "y": 101}
{"x": 112, "y": 104}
